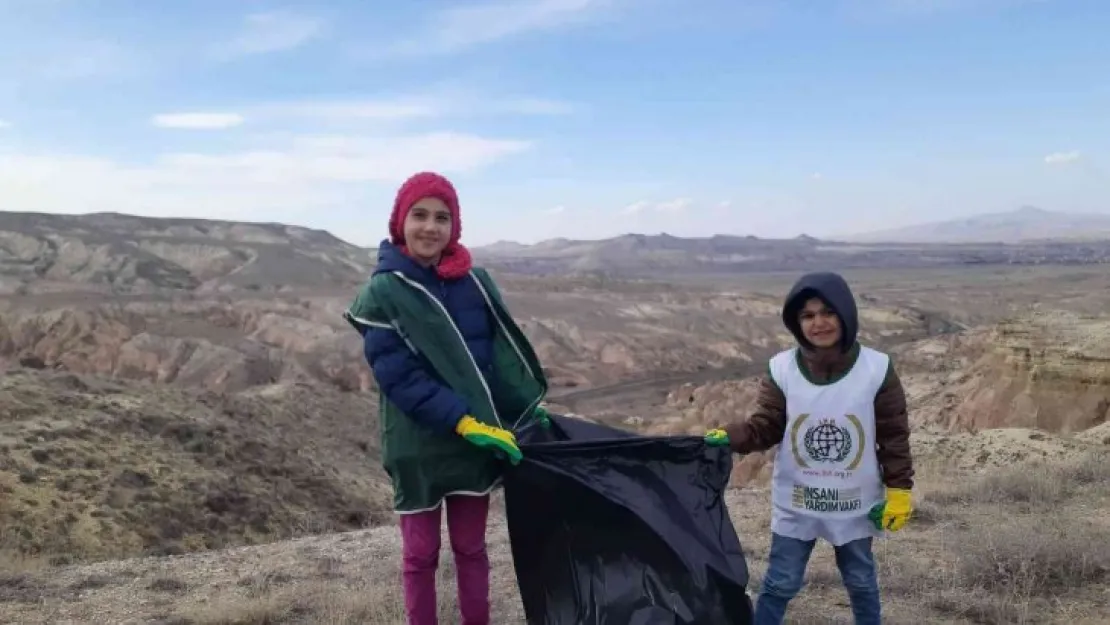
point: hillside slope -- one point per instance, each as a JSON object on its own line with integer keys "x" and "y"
{"x": 94, "y": 469}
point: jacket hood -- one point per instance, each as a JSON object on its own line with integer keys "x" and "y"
{"x": 834, "y": 291}
{"x": 391, "y": 258}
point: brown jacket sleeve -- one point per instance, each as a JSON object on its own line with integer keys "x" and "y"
{"x": 765, "y": 427}
{"x": 892, "y": 433}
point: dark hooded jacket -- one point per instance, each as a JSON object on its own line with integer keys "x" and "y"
{"x": 766, "y": 426}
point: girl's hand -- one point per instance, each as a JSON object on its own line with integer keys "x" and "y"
{"x": 489, "y": 437}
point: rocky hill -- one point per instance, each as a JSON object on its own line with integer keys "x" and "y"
{"x": 122, "y": 253}
{"x": 1046, "y": 370}
{"x": 218, "y": 343}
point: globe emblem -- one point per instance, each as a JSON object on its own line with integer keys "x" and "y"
{"x": 826, "y": 442}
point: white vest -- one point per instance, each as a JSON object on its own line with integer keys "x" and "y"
{"x": 826, "y": 474}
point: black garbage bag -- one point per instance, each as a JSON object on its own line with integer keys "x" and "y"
{"x": 612, "y": 528}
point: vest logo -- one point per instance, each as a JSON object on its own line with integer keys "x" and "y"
{"x": 828, "y": 442}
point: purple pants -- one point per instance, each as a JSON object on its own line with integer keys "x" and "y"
{"x": 466, "y": 526}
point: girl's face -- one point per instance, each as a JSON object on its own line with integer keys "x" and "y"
{"x": 427, "y": 229}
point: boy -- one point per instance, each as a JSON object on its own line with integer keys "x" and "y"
{"x": 839, "y": 411}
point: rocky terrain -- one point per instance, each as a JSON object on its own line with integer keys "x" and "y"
{"x": 194, "y": 391}
{"x": 216, "y": 342}
{"x": 587, "y": 335}
{"x": 1047, "y": 370}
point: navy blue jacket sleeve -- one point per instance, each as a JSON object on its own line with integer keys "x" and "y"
{"x": 403, "y": 380}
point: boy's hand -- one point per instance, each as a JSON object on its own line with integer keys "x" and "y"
{"x": 542, "y": 416}
{"x": 489, "y": 437}
{"x": 893, "y": 513}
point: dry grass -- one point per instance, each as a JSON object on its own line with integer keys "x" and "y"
{"x": 1025, "y": 543}
{"x": 93, "y": 470}
{"x": 1037, "y": 485}
{"x": 339, "y": 595}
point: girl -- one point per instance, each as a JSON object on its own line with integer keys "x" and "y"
{"x": 456, "y": 377}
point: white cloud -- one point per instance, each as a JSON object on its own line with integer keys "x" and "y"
{"x": 556, "y": 210}
{"x": 461, "y": 27}
{"x": 1063, "y": 158}
{"x": 358, "y": 110}
{"x": 349, "y": 110}
{"x": 635, "y": 208}
{"x": 272, "y": 31}
{"x": 4, "y": 124}
{"x": 197, "y": 121}
{"x": 676, "y": 205}
{"x": 297, "y": 177}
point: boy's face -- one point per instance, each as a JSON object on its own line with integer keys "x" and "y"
{"x": 820, "y": 325}
{"x": 427, "y": 229}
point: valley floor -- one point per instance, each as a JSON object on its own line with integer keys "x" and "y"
{"x": 1018, "y": 544}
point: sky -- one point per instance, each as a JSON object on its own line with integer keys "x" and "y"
{"x": 558, "y": 118}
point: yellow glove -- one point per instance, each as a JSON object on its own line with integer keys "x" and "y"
{"x": 894, "y": 512}
{"x": 716, "y": 438}
{"x": 489, "y": 437}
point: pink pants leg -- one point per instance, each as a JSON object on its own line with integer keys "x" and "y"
{"x": 419, "y": 559}
{"x": 466, "y": 525}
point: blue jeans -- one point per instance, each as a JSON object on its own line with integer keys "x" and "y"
{"x": 786, "y": 570}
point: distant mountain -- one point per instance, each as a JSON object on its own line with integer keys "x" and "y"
{"x": 664, "y": 255}
{"x": 631, "y": 254}
{"x": 1024, "y": 224}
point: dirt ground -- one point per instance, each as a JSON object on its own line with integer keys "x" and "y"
{"x": 1020, "y": 544}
